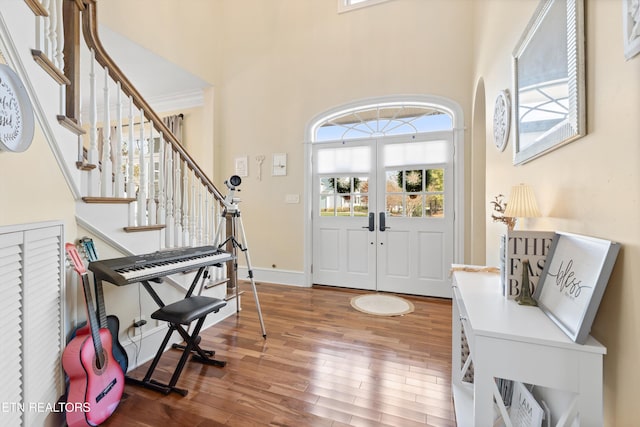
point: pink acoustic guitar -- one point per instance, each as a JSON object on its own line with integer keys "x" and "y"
{"x": 96, "y": 381}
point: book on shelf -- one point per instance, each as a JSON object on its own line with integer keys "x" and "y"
{"x": 519, "y": 245}
{"x": 522, "y": 410}
{"x": 505, "y": 387}
{"x": 525, "y": 411}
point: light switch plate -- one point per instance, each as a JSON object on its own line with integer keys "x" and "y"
{"x": 279, "y": 165}
{"x": 292, "y": 198}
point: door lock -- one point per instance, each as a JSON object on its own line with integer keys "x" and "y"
{"x": 372, "y": 220}
{"x": 382, "y": 222}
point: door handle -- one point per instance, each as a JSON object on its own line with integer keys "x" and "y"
{"x": 371, "y": 225}
{"x": 383, "y": 218}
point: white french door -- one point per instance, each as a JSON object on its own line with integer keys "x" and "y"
{"x": 383, "y": 213}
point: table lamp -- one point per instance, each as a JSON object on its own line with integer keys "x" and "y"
{"x": 522, "y": 203}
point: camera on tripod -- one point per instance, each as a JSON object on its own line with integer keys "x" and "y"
{"x": 237, "y": 239}
{"x": 232, "y": 184}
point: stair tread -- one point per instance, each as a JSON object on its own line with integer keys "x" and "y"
{"x": 70, "y": 124}
{"x": 137, "y": 228}
{"x": 108, "y": 199}
{"x": 85, "y": 166}
{"x": 49, "y": 67}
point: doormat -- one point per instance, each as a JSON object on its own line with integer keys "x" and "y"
{"x": 382, "y": 305}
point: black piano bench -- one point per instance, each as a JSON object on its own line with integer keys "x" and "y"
{"x": 180, "y": 313}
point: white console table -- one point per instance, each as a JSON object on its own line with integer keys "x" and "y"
{"x": 518, "y": 343}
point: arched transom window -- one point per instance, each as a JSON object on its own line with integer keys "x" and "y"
{"x": 380, "y": 120}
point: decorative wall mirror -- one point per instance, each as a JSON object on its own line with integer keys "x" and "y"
{"x": 549, "y": 83}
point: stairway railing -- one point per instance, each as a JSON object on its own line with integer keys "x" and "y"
{"x": 132, "y": 156}
{"x": 170, "y": 188}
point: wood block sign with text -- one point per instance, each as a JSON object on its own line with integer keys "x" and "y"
{"x": 520, "y": 245}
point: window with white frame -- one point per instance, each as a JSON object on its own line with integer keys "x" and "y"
{"x": 347, "y": 5}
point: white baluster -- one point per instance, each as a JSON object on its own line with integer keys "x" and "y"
{"x": 46, "y": 29}
{"x": 131, "y": 146}
{"x": 152, "y": 180}
{"x": 200, "y": 219}
{"x": 94, "y": 174}
{"x": 106, "y": 181}
{"x": 177, "y": 199}
{"x": 185, "y": 206}
{"x": 169, "y": 221}
{"x": 53, "y": 32}
{"x": 117, "y": 158}
{"x": 161, "y": 175}
{"x": 142, "y": 187}
{"x": 131, "y": 185}
{"x": 41, "y": 30}
{"x": 193, "y": 212}
{"x": 60, "y": 35}
{"x": 206, "y": 231}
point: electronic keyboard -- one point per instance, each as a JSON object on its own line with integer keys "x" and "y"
{"x": 138, "y": 268}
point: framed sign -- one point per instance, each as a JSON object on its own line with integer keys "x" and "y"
{"x": 525, "y": 411}
{"x": 16, "y": 112}
{"x": 573, "y": 281}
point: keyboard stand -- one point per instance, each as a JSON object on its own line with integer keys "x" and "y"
{"x": 179, "y": 314}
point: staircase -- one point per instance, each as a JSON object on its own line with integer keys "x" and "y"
{"x": 136, "y": 187}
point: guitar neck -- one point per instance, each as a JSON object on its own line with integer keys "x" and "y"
{"x": 93, "y": 322}
{"x": 101, "y": 310}
{"x": 92, "y": 255}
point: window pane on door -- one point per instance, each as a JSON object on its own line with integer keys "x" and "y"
{"x": 435, "y": 180}
{"x": 435, "y": 206}
{"x": 415, "y": 193}
{"x": 361, "y": 196}
{"x": 413, "y": 181}
{"x": 394, "y": 198}
{"x": 415, "y": 205}
{"x": 327, "y": 205}
{"x": 344, "y": 196}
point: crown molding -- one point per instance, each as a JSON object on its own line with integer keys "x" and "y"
{"x": 178, "y": 100}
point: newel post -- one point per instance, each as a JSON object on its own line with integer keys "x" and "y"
{"x": 71, "y": 53}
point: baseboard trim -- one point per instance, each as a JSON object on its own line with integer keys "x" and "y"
{"x": 281, "y": 277}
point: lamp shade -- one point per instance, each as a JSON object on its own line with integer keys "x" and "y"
{"x": 522, "y": 203}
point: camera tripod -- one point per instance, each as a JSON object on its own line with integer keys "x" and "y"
{"x": 232, "y": 209}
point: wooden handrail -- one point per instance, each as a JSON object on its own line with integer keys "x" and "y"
{"x": 37, "y": 8}
{"x": 90, "y": 31}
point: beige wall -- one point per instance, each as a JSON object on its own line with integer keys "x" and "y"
{"x": 590, "y": 186}
{"x": 33, "y": 188}
{"x": 277, "y": 64}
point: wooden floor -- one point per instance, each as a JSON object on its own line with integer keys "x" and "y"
{"x": 322, "y": 364}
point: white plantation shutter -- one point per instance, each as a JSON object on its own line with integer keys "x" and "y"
{"x": 31, "y": 277}
{"x": 10, "y": 319}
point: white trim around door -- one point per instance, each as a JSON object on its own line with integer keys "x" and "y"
{"x": 457, "y": 129}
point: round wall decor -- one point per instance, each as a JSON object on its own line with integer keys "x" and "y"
{"x": 16, "y": 112}
{"x": 501, "y": 120}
